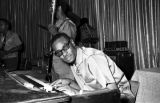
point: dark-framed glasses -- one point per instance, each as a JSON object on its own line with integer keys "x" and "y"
{"x": 59, "y": 53}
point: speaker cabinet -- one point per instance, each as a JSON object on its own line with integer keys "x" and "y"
{"x": 124, "y": 60}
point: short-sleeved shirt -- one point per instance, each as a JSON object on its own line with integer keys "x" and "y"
{"x": 67, "y": 26}
{"x": 95, "y": 70}
{"x": 11, "y": 40}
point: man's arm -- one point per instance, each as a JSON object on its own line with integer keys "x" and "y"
{"x": 112, "y": 86}
{"x": 100, "y": 69}
{"x": 74, "y": 85}
{"x": 52, "y": 29}
{"x": 65, "y": 81}
{"x": 66, "y": 85}
{"x": 16, "y": 46}
{"x": 14, "y": 49}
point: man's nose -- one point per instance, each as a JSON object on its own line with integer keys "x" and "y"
{"x": 64, "y": 53}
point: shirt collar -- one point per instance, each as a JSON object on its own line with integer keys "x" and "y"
{"x": 79, "y": 57}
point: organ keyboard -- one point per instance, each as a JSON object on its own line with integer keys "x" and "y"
{"x": 31, "y": 82}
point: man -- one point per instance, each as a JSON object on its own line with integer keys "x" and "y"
{"x": 92, "y": 69}
{"x": 62, "y": 25}
{"x": 10, "y": 45}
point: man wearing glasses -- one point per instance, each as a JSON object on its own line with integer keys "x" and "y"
{"x": 92, "y": 69}
{"x": 62, "y": 24}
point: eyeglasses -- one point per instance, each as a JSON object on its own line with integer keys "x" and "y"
{"x": 59, "y": 53}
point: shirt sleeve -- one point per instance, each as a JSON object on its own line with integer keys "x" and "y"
{"x": 13, "y": 41}
{"x": 99, "y": 67}
{"x": 70, "y": 29}
{"x": 17, "y": 40}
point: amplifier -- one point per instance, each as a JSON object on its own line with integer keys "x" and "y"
{"x": 124, "y": 60}
{"x": 116, "y": 45}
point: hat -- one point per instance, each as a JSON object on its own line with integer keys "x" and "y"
{"x": 64, "y": 5}
{"x": 7, "y": 22}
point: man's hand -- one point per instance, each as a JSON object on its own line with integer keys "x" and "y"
{"x": 112, "y": 86}
{"x": 60, "y": 82}
{"x": 67, "y": 89}
{"x": 64, "y": 86}
{"x": 52, "y": 29}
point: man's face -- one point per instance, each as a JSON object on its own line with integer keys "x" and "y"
{"x": 65, "y": 49}
{"x": 3, "y": 26}
{"x": 58, "y": 12}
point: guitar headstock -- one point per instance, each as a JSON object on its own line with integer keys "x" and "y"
{"x": 53, "y": 4}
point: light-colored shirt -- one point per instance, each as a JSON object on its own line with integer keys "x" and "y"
{"x": 95, "y": 70}
{"x": 12, "y": 40}
{"x": 68, "y": 27}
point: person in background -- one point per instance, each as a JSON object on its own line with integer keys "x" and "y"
{"x": 92, "y": 69}
{"x": 62, "y": 24}
{"x": 10, "y": 45}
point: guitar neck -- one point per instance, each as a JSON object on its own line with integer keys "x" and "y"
{"x": 53, "y": 10}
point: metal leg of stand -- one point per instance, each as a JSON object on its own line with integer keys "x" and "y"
{"x": 2, "y": 71}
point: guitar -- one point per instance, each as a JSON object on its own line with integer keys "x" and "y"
{"x": 52, "y": 10}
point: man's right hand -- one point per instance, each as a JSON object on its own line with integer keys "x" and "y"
{"x": 52, "y": 29}
{"x": 58, "y": 82}
{"x": 64, "y": 85}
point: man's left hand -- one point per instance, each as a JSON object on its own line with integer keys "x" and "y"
{"x": 67, "y": 89}
{"x": 64, "y": 81}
